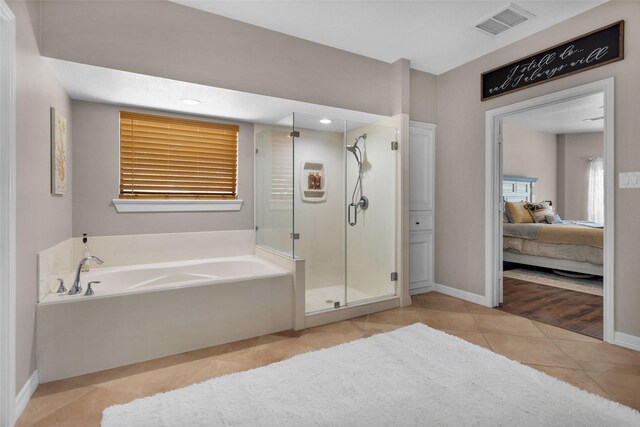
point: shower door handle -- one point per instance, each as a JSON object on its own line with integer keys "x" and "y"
{"x": 355, "y": 214}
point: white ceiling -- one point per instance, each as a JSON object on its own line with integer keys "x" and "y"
{"x": 104, "y": 85}
{"x": 435, "y": 36}
{"x": 564, "y": 117}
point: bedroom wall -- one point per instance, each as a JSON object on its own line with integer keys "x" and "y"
{"x": 574, "y": 151}
{"x": 460, "y": 237}
{"x": 96, "y": 156}
{"x": 43, "y": 219}
{"x": 530, "y": 152}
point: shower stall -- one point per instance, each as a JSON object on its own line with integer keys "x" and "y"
{"x": 326, "y": 192}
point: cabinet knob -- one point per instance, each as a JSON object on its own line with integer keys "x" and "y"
{"x": 417, "y": 222}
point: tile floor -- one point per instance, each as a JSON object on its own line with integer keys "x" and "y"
{"x": 604, "y": 369}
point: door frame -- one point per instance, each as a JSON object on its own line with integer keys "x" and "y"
{"x": 493, "y": 190}
{"x": 7, "y": 216}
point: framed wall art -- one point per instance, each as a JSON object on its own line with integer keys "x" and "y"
{"x": 58, "y": 153}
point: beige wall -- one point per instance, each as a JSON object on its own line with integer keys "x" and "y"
{"x": 529, "y": 152}
{"x": 400, "y": 87}
{"x": 96, "y": 159}
{"x": 461, "y": 141}
{"x": 423, "y": 97}
{"x": 43, "y": 219}
{"x": 574, "y": 151}
{"x": 182, "y": 43}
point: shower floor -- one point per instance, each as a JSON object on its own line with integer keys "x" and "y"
{"x": 325, "y": 297}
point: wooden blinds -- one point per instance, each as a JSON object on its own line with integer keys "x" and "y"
{"x": 281, "y": 166}
{"x": 171, "y": 158}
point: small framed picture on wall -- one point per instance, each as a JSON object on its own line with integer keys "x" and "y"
{"x": 58, "y": 153}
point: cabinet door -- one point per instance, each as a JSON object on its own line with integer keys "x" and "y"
{"x": 420, "y": 258}
{"x": 421, "y": 173}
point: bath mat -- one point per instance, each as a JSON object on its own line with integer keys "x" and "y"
{"x": 588, "y": 286}
{"x": 412, "y": 376}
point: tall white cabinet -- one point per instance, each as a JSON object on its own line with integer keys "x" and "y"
{"x": 421, "y": 206}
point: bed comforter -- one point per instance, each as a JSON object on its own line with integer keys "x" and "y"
{"x": 568, "y": 241}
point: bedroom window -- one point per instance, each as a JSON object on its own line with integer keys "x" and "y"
{"x": 171, "y": 158}
{"x": 595, "y": 196}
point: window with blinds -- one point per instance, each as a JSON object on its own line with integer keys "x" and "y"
{"x": 172, "y": 158}
{"x": 281, "y": 167}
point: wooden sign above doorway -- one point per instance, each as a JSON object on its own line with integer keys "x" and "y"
{"x": 597, "y": 48}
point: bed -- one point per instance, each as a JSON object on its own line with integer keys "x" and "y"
{"x": 573, "y": 246}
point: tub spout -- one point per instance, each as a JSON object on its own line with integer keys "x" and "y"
{"x": 77, "y": 287}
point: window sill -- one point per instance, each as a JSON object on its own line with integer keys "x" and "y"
{"x": 147, "y": 205}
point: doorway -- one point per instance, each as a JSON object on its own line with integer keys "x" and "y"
{"x": 520, "y": 190}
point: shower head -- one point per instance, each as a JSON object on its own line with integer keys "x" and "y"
{"x": 354, "y": 149}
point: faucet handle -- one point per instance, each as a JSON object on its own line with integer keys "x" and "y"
{"x": 61, "y": 288}
{"x": 89, "y": 290}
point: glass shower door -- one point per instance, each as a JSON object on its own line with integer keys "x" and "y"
{"x": 370, "y": 203}
{"x": 344, "y": 210}
{"x": 274, "y": 188}
{"x": 319, "y": 209}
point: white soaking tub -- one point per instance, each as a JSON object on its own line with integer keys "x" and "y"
{"x": 147, "y": 311}
{"x": 162, "y": 276}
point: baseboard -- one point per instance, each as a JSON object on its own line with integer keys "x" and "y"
{"x": 22, "y": 399}
{"x": 626, "y": 340}
{"x": 457, "y": 293}
{"x": 421, "y": 289}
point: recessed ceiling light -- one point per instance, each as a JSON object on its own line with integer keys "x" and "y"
{"x": 325, "y": 121}
{"x": 190, "y": 101}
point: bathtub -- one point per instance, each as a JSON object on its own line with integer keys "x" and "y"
{"x": 143, "y": 278}
{"x": 148, "y": 311}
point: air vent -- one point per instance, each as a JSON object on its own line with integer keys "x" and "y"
{"x": 505, "y": 19}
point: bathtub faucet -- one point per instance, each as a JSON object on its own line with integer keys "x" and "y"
{"x": 77, "y": 287}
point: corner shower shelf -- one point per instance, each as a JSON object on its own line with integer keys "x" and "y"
{"x": 312, "y": 194}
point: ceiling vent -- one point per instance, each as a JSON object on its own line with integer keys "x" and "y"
{"x": 505, "y": 19}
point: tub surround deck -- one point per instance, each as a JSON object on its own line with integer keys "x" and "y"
{"x": 159, "y": 295}
{"x": 96, "y": 334}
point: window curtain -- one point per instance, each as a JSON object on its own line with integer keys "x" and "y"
{"x": 595, "y": 196}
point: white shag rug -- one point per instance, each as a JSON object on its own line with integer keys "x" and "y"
{"x": 411, "y": 376}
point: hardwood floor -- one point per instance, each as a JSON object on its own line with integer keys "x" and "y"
{"x": 575, "y": 311}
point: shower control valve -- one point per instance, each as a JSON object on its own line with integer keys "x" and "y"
{"x": 363, "y": 203}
